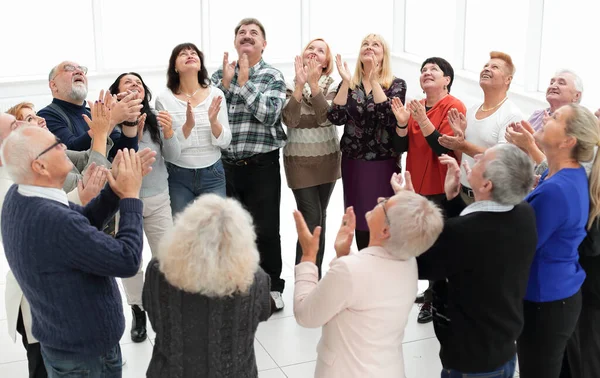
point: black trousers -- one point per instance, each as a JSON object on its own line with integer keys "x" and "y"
{"x": 362, "y": 239}
{"x": 34, "y": 354}
{"x": 583, "y": 349}
{"x": 256, "y": 183}
{"x": 312, "y": 202}
{"x": 548, "y": 327}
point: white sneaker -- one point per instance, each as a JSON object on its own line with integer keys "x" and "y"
{"x": 276, "y": 295}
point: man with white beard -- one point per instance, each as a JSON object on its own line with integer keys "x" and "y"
{"x": 64, "y": 116}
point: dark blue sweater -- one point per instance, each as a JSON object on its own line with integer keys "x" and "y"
{"x": 78, "y": 139}
{"x": 561, "y": 205}
{"x": 65, "y": 266}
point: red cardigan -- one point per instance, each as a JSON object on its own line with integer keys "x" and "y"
{"x": 427, "y": 173}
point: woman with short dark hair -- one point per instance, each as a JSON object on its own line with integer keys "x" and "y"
{"x": 201, "y": 124}
{"x": 419, "y": 125}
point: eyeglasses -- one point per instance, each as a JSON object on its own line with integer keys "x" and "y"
{"x": 382, "y": 203}
{"x": 72, "y": 68}
{"x": 58, "y": 142}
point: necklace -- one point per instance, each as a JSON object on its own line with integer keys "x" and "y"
{"x": 495, "y": 107}
{"x": 192, "y": 95}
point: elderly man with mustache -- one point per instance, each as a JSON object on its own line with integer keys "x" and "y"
{"x": 255, "y": 94}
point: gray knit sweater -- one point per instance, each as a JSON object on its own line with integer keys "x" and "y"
{"x": 198, "y": 336}
{"x": 155, "y": 182}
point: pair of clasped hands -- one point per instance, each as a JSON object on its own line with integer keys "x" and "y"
{"x": 128, "y": 167}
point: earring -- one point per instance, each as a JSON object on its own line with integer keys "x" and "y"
{"x": 176, "y": 70}
{"x": 445, "y": 87}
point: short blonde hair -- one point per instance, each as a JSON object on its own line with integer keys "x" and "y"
{"x": 211, "y": 249}
{"x": 16, "y": 110}
{"x": 506, "y": 59}
{"x": 415, "y": 224}
{"x": 328, "y": 56}
{"x": 386, "y": 77}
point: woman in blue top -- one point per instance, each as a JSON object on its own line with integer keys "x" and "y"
{"x": 563, "y": 210}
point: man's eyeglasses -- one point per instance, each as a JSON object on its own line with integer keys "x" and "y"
{"x": 58, "y": 142}
{"x": 382, "y": 202}
{"x": 72, "y": 68}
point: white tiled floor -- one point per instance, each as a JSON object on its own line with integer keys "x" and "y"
{"x": 283, "y": 349}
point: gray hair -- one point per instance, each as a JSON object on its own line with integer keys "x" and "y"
{"x": 415, "y": 224}
{"x": 211, "y": 249}
{"x": 577, "y": 82}
{"x": 511, "y": 173}
{"x": 52, "y": 72}
{"x": 18, "y": 151}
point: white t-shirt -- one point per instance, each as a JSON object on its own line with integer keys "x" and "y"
{"x": 489, "y": 131}
{"x": 201, "y": 149}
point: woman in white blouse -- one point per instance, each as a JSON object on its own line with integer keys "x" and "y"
{"x": 201, "y": 125}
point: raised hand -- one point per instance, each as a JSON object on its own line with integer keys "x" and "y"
{"x": 342, "y": 68}
{"x": 244, "y": 72}
{"x": 147, "y": 157}
{"x": 228, "y": 70}
{"x": 129, "y": 180}
{"x": 190, "y": 120}
{"x": 375, "y": 69}
{"x": 128, "y": 109}
{"x": 213, "y": 110}
{"x": 344, "y": 237}
{"x": 454, "y": 143}
{"x": 418, "y": 111}
{"x": 520, "y": 136}
{"x": 452, "y": 183}
{"x": 400, "y": 182}
{"x": 166, "y": 123}
{"x": 140, "y": 126}
{"x": 457, "y": 121}
{"x": 400, "y": 112}
{"x": 100, "y": 124}
{"x": 314, "y": 70}
{"x": 308, "y": 241}
{"x": 92, "y": 183}
{"x": 301, "y": 72}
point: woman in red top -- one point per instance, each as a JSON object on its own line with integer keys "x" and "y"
{"x": 419, "y": 125}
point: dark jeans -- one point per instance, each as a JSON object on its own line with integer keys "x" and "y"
{"x": 187, "y": 184}
{"x": 61, "y": 365}
{"x": 505, "y": 371}
{"x": 548, "y": 327}
{"x": 35, "y": 362}
{"x": 583, "y": 349}
{"x": 312, "y": 203}
{"x": 256, "y": 183}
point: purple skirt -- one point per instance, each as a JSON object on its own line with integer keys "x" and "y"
{"x": 365, "y": 181}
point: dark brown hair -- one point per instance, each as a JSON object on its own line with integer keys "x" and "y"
{"x": 250, "y": 21}
{"x": 173, "y": 76}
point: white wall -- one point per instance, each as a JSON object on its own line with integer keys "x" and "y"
{"x": 114, "y": 36}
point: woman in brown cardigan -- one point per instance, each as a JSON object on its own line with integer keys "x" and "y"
{"x": 312, "y": 154}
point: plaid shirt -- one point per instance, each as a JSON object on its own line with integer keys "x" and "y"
{"x": 254, "y": 111}
{"x": 488, "y": 206}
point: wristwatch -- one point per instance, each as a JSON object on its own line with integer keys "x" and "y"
{"x": 127, "y": 123}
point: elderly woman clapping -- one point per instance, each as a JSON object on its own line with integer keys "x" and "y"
{"x": 364, "y": 300}
{"x": 204, "y": 292}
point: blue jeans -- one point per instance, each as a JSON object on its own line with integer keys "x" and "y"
{"x": 505, "y": 371}
{"x": 61, "y": 365}
{"x": 187, "y": 184}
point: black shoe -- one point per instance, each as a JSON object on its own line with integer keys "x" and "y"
{"x": 138, "y": 324}
{"x": 425, "y": 315}
{"x": 420, "y": 298}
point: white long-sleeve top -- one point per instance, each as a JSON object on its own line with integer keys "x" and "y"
{"x": 201, "y": 149}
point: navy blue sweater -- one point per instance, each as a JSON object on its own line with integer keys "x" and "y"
{"x": 78, "y": 139}
{"x": 66, "y": 266}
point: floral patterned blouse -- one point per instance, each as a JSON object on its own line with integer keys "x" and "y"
{"x": 369, "y": 127}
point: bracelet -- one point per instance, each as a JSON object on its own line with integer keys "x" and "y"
{"x": 402, "y": 127}
{"x": 127, "y": 123}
